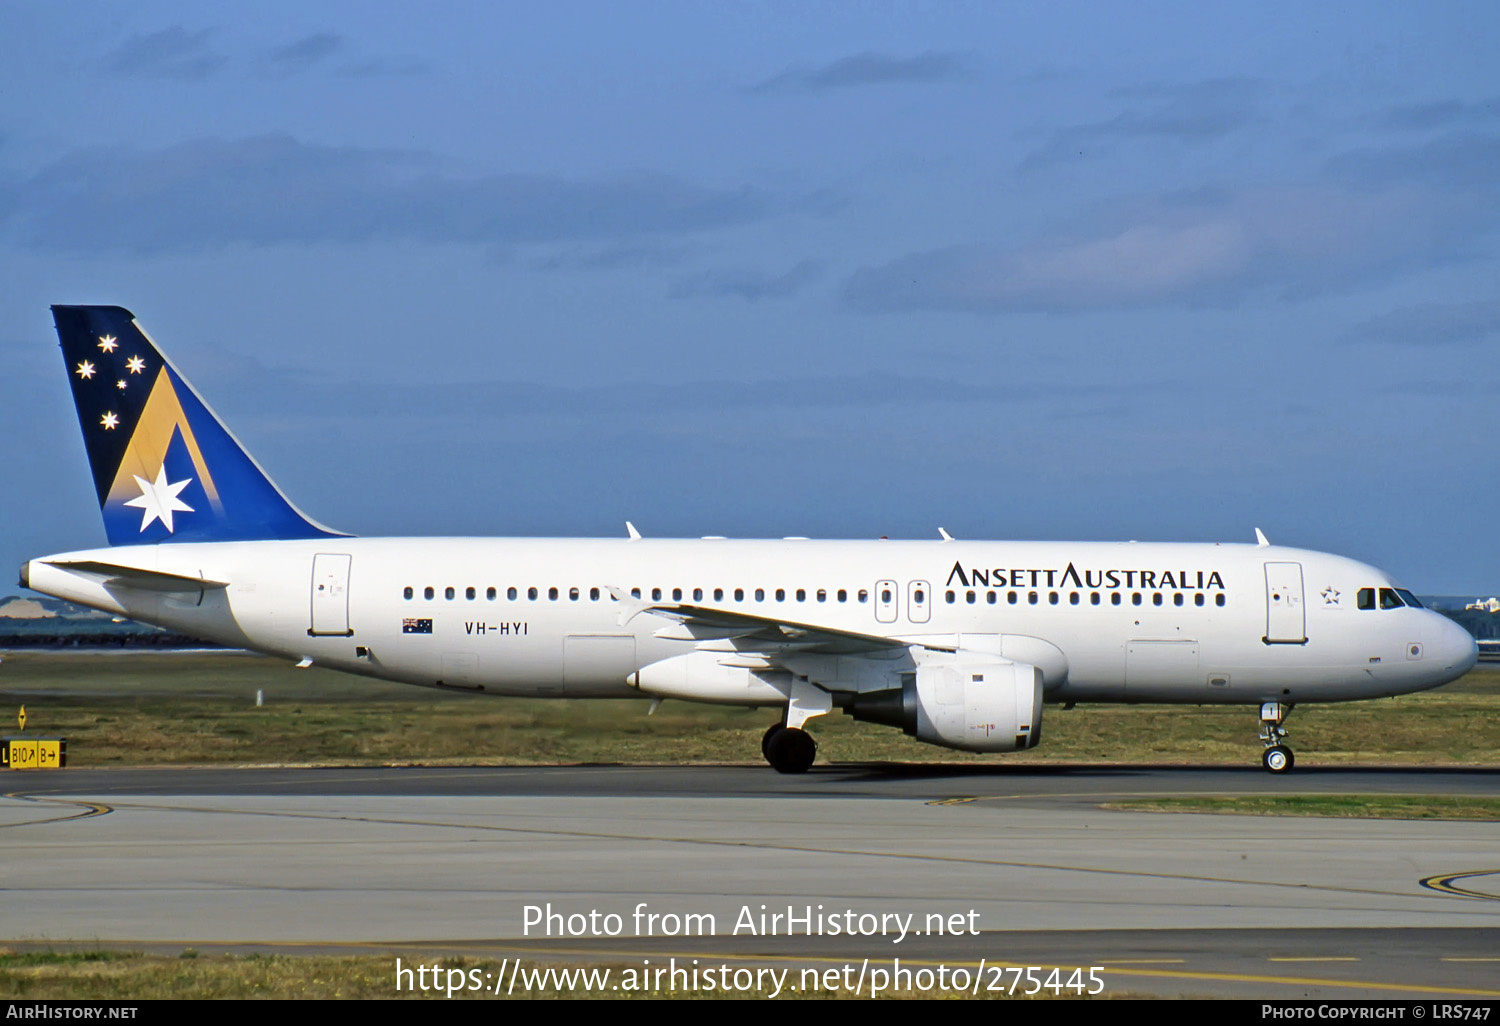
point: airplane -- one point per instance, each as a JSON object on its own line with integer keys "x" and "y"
{"x": 957, "y": 643}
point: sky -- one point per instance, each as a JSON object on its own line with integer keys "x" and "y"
{"x": 1046, "y": 271}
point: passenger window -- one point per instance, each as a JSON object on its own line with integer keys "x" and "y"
{"x": 718, "y": 594}
{"x": 676, "y": 594}
{"x": 950, "y": 596}
{"x": 739, "y": 594}
{"x": 970, "y": 597}
{"x": 573, "y": 594}
{"x": 885, "y": 596}
{"x": 490, "y": 593}
{"x": 531, "y": 594}
{"x": 697, "y": 594}
{"x": 510, "y": 593}
{"x": 1114, "y": 599}
{"x": 1198, "y": 599}
{"x": 1177, "y": 599}
{"x": 801, "y": 595}
{"x": 1219, "y": 599}
{"x": 1093, "y": 598}
{"x": 1073, "y": 598}
{"x": 1052, "y": 597}
{"x": 407, "y": 592}
{"x": 864, "y": 596}
{"x": 843, "y": 595}
{"x": 1389, "y": 599}
{"x": 780, "y": 594}
{"x": 655, "y": 594}
{"x": 1011, "y": 597}
{"x": 1031, "y": 597}
{"x": 552, "y": 594}
{"x": 448, "y": 592}
{"x": 1156, "y": 599}
{"x": 593, "y": 594}
{"x": 760, "y": 594}
{"x": 1135, "y": 598}
{"x": 990, "y": 597}
{"x": 427, "y": 592}
{"x": 635, "y": 593}
{"x": 469, "y": 593}
{"x": 822, "y": 595}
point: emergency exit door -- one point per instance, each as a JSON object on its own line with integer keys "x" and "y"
{"x": 330, "y": 595}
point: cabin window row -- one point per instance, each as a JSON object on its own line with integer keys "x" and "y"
{"x": 657, "y": 594}
{"x": 1076, "y": 598}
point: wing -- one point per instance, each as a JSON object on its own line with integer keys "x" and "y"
{"x": 767, "y": 635}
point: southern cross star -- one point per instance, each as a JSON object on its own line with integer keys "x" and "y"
{"x": 158, "y": 499}
{"x": 109, "y": 420}
{"x": 107, "y": 343}
{"x": 135, "y": 364}
{"x": 85, "y": 370}
{"x": 120, "y": 384}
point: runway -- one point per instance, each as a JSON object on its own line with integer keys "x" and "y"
{"x": 1017, "y": 866}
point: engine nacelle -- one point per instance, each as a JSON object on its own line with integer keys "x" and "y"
{"x": 960, "y": 700}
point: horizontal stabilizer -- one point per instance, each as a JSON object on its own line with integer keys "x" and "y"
{"x": 135, "y": 577}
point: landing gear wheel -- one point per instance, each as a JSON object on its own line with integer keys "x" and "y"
{"x": 791, "y": 750}
{"x": 1278, "y": 759}
{"x": 765, "y": 741}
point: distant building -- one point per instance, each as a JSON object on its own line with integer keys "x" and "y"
{"x": 1489, "y": 605}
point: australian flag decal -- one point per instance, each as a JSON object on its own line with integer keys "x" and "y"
{"x": 411, "y": 625}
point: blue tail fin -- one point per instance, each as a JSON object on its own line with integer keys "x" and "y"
{"x": 166, "y": 469}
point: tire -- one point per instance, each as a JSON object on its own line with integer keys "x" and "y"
{"x": 765, "y": 741}
{"x": 791, "y": 750}
{"x": 1278, "y": 759}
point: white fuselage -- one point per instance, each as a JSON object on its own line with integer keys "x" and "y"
{"x": 1110, "y": 622}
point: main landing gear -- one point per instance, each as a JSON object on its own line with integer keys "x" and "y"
{"x": 788, "y": 749}
{"x": 1277, "y": 757}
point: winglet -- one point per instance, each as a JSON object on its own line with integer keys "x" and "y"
{"x": 1260, "y": 538}
{"x": 943, "y": 532}
{"x": 630, "y": 530}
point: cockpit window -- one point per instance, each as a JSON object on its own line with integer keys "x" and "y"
{"x": 1389, "y": 599}
{"x": 1409, "y": 598}
{"x": 1366, "y": 598}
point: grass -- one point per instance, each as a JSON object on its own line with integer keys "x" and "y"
{"x": 1337, "y": 806}
{"x": 140, "y": 709}
{"x": 127, "y": 976}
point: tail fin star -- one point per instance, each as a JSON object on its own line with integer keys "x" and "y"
{"x": 165, "y": 467}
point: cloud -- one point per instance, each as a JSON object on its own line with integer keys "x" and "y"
{"x": 748, "y": 285}
{"x": 302, "y": 54}
{"x": 172, "y": 53}
{"x": 1213, "y": 249}
{"x": 1428, "y": 324}
{"x": 1194, "y": 112}
{"x": 273, "y": 189}
{"x": 609, "y": 258}
{"x": 1453, "y": 161}
{"x": 864, "y": 69}
{"x": 1418, "y": 117}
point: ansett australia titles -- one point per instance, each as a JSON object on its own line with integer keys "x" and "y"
{"x": 750, "y": 921}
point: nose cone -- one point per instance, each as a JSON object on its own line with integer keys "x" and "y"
{"x": 1451, "y": 648}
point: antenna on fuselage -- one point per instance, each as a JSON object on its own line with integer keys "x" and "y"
{"x": 630, "y": 530}
{"x": 1261, "y": 539}
{"x": 943, "y": 531}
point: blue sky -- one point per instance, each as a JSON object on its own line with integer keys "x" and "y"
{"x": 1095, "y": 271}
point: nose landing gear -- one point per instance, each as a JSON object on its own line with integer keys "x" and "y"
{"x": 1277, "y": 757}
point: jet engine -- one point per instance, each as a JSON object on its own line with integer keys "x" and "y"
{"x": 975, "y": 705}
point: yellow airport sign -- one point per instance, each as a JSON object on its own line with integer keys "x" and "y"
{"x": 33, "y": 753}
